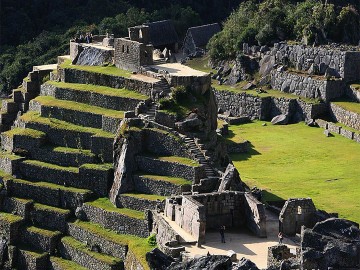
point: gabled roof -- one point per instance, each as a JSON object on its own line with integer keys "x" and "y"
{"x": 202, "y": 34}
{"x": 162, "y": 33}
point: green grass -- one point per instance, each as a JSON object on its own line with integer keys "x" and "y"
{"x": 51, "y": 166}
{"x": 53, "y": 123}
{"x": 150, "y": 197}
{"x": 137, "y": 245}
{"x": 28, "y": 132}
{"x": 100, "y": 90}
{"x": 66, "y": 264}
{"x": 43, "y": 207}
{"x": 201, "y": 63}
{"x": 68, "y": 150}
{"x": 174, "y": 180}
{"x": 98, "y": 167}
{"x": 82, "y": 247}
{"x": 32, "y": 253}
{"x": 76, "y": 106}
{"x": 356, "y": 86}
{"x": 105, "y": 204}
{"x": 44, "y": 232}
{"x": 109, "y": 70}
{"x": 10, "y": 218}
{"x": 9, "y": 156}
{"x": 349, "y": 106}
{"x": 299, "y": 161}
{"x": 181, "y": 160}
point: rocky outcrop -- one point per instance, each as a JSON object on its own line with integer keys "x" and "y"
{"x": 331, "y": 243}
{"x": 245, "y": 264}
{"x": 231, "y": 180}
{"x": 92, "y": 56}
{"x": 213, "y": 262}
{"x": 158, "y": 260}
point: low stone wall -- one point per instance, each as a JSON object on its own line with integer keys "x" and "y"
{"x": 332, "y": 127}
{"x": 40, "y": 241}
{"x": 47, "y": 218}
{"x": 344, "y": 116}
{"x": 12, "y": 205}
{"x": 11, "y": 230}
{"x": 199, "y": 84}
{"x": 163, "y": 188}
{"x": 265, "y": 108}
{"x": 235, "y": 148}
{"x": 307, "y": 87}
{"x": 27, "y": 260}
{"x": 353, "y": 93}
{"x": 132, "y": 263}
{"x": 138, "y": 203}
{"x": 174, "y": 169}
{"x": 165, "y": 119}
{"x": 164, "y": 143}
{"x": 106, "y": 246}
{"x": 86, "y": 77}
{"x": 116, "y": 221}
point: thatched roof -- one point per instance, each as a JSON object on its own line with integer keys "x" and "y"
{"x": 162, "y": 33}
{"x": 202, "y": 34}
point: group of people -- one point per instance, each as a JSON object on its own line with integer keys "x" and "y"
{"x": 88, "y": 38}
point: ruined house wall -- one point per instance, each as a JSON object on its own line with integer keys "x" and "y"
{"x": 131, "y": 55}
{"x": 296, "y": 213}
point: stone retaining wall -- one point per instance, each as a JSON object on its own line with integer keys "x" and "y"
{"x": 106, "y": 246}
{"x": 116, "y": 221}
{"x": 307, "y": 87}
{"x": 265, "y": 108}
{"x": 40, "y": 241}
{"x": 46, "y": 218}
{"x": 91, "y": 98}
{"x": 132, "y": 262}
{"x": 138, "y": 203}
{"x": 174, "y": 169}
{"x": 27, "y": 260}
{"x": 353, "y": 93}
{"x": 332, "y": 127}
{"x": 86, "y": 77}
{"x": 344, "y": 116}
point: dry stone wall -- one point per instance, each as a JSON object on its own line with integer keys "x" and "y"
{"x": 349, "y": 118}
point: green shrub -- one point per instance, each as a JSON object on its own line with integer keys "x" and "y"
{"x": 152, "y": 240}
{"x": 166, "y": 103}
{"x": 179, "y": 93}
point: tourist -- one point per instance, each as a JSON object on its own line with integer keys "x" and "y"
{"x": 222, "y": 233}
{"x": 281, "y": 237}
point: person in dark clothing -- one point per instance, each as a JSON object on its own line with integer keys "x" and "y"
{"x": 222, "y": 233}
{"x": 281, "y": 237}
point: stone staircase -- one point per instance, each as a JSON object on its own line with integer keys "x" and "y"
{"x": 57, "y": 167}
{"x": 19, "y": 99}
{"x": 159, "y": 61}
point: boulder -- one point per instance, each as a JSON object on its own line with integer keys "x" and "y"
{"x": 91, "y": 56}
{"x": 191, "y": 123}
{"x": 331, "y": 243}
{"x": 245, "y": 264}
{"x": 231, "y": 180}
{"x": 280, "y": 119}
{"x": 266, "y": 64}
{"x": 211, "y": 262}
{"x": 313, "y": 70}
{"x": 156, "y": 259}
{"x": 248, "y": 86}
{"x": 3, "y": 251}
{"x": 80, "y": 214}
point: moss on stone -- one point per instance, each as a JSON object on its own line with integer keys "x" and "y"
{"x": 35, "y": 117}
{"x": 66, "y": 264}
{"x": 9, "y": 156}
{"x": 43, "y": 207}
{"x": 349, "y": 105}
{"x": 10, "y": 218}
{"x": 150, "y": 197}
{"x": 65, "y": 150}
{"x": 77, "y": 106}
{"x": 46, "y": 233}
{"x": 51, "y": 166}
{"x": 174, "y": 180}
{"x": 124, "y": 93}
{"x": 25, "y": 132}
{"x": 98, "y": 167}
{"x": 181, "y": 160}
{"x": 67, "y": 240}
{"x": 104, "y": 203}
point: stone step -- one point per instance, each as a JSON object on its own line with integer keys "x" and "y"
{"x": 22, "y": 138}
{"x": 107, "y": 241}
{"x": 16, "y": 206}
{"x": 169, "y": 166}
{"x": 49, "y": 217}
{"x": 95, "y": 95}
{"x": 95, "y": 177}
{"x": 78, "y": 252}
{"x": 9, "y": 106}
{"x": 141, "y": 201}
{"x": 57, "y": 263}
{"x": 47, "y": 193}
{"x": 10, "y": 226}
{"x": 77, "y": 113}
{"x": 120, "y": 220}
{"x": 69, "y": 135}
{"x": 31, "y": 259}
{"x": 40, "y": 239}
{"x": 161, "y": 185}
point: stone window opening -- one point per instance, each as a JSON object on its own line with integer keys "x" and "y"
{"x": 146, "y": 54}
{"x": 127, "y": 49}
{"x": 123, "y": 48}
{"x": 299, "y": 210}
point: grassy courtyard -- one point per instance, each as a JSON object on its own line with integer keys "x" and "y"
{"x": 299, "y": 161}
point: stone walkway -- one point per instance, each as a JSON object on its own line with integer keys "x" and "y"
{"x": 176, "y": 69}
{"x": 243, "y": 242}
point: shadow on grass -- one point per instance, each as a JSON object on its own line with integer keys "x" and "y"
{"x": 271, "y": 197}
{"x": 245, "y": 156}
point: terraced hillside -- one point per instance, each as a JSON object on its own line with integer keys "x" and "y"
{"x": 57, "y": 171}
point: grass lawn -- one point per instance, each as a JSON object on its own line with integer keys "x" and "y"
{"x": 349, "y": 105}
{"x": 299, "y": 161}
